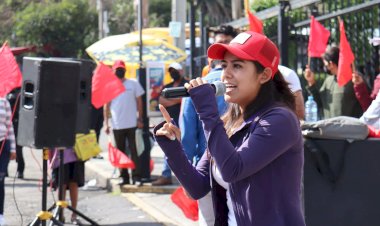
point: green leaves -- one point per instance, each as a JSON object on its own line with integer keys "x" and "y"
{"x": 62, "y": 28}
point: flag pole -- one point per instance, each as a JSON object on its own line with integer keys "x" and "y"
{"x": 2, "y": 47}
{"x": 246, "y": 5}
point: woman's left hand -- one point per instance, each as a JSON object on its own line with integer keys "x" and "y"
{"x": 194, "y": 83}
{"x": 13, "y": 156}
{"x": 168, "y": 129}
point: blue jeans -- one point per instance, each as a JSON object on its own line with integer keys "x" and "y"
{"x": 4, "y": 160}
{"x": 167, "y": 172}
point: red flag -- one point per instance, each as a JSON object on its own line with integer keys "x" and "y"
{"x": 188, "y": 206}
{"x": 10, "y": 74}
{"x": 118, "y": 158}
{"x": 346, "y": 58}
{"x": 319, "y": 36}
{"x": 255, "y": 24}
{"x": 105, "y": 86}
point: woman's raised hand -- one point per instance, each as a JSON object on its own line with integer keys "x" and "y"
{"x": 194, "y": 83}
{"x": 168, "y": 129}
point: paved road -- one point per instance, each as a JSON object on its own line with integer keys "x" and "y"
{"x": 23, "y": 199}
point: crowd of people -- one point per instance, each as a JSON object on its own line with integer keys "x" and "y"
{"x": 240, "y": 155}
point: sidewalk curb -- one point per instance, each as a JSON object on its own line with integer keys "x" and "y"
{"x": 153, "y": 212}
{"x": 103, "y": 178}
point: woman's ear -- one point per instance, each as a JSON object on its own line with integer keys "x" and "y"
{"x": 266, "y": 75}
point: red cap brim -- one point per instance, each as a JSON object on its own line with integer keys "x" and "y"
{"x": 217, "y": 51}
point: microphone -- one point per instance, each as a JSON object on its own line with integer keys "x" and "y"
{"x": 181, "y": 91}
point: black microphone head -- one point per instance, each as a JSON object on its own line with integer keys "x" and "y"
{"x": 220, "y": 88}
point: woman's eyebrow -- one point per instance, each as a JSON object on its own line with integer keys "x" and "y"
{"x": 233, "y": 61}
{"x": 238, "y": 61}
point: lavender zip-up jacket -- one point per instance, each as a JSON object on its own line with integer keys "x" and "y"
{"x": 262, "y": 162}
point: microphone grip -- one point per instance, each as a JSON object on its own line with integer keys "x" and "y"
{"x": 175, "y": 92}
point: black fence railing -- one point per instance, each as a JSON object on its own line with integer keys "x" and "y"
{"x": 361, "y": 19}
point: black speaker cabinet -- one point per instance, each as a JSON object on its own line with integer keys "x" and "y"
{"x": 84, "y": 95}
{"x": 49, "y": 100}
{"x": 84, "y": 102}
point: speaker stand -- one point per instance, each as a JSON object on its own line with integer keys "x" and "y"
{"x": 59, "y": 206}
{"x": 43, "y": 216}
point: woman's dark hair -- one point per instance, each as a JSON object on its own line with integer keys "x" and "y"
{"x": 275, "y": 90}
{"x": 332, "y": 55}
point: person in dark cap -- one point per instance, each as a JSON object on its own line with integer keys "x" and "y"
{"x": 124, "y": 120}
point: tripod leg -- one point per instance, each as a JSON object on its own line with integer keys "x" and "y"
{"x": 93, "y": 223}
{"x": 45, "y": 156}
{"x": 56, "y": 222}
{"x": 55, "y": 215}
{"x": 51, "y": 207}
{"x": 35, "y": 222}
{"x": 43, "y": 215}
{"x": 58, "y": 207}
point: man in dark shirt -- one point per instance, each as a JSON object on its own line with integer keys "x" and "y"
{"x": 173, "y": 106}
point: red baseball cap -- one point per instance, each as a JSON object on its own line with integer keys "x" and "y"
{"x": 118, "y": 64}
{"x": 249, "y": 46}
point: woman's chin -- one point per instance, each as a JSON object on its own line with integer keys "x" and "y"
{"x": 229, "y": 99}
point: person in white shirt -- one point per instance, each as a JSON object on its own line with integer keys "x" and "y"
{"x": 126, "y": 111}
{"x": 7, "y": 148}
{"x": 372, "y": 115}
{"x": 295, "y": 86}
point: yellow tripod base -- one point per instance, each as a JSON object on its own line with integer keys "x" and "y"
{"x": 44, "y": 215}
{"x": 62, "y": 204}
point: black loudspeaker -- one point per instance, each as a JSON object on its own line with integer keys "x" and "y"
{"x": 48, "y": 107}
{"x": 84, "y": 95}
{"x": 84, "y": 102}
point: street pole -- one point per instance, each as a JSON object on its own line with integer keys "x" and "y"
{"x": 179, "y": 14}
{"x": 283, "y": 32}
{"x": 192, "y": 39}
{"x": 144, "y": 158}
{"x": 204, "y": 39}
{"x": 99, "y": 4}
{"x": 236, "y": 9}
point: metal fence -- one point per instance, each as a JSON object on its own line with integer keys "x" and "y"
{"x": 362, "y": 21}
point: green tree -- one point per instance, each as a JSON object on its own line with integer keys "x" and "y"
{"x": 218, "y": 11}
{"x": 121, "y": 17}
{"x": 259, "y": 5}
{"x": 159, "y": 13}
{"x": 63, "y": 28}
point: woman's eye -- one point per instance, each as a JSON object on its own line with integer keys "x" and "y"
{"x": 224, "y": 66}
{"x": 237, "y": 66}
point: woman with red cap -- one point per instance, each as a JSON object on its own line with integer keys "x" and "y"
{"x": 254, "y": 158}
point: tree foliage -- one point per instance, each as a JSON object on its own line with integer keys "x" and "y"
{"x": 63, "y": 28}
{"x": 259, "y": 5}
{"x": 159, "y": 13}
{"x": 121, "y": 17}
{"x": 218, "y": 11}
